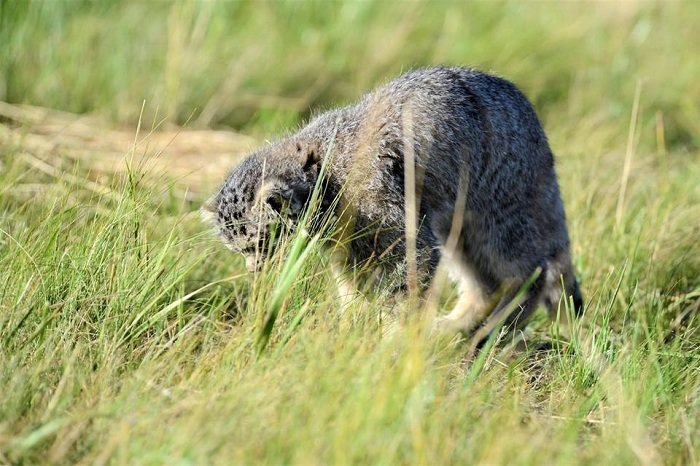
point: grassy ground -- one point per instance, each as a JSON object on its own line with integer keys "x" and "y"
{"x": 128, "y": 335}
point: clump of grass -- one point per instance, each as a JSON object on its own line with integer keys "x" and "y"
{"x": 128, "y": 334}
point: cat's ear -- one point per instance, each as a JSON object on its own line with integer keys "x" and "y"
{"x": 208, "y": 211}
{"x": 309, "y": 155}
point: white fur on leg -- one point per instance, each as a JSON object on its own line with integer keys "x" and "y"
{"x": 470, "y": 308}
{"x": 345, "y": 285}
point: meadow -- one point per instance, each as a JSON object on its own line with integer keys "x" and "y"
{"x": 130, "y": 335}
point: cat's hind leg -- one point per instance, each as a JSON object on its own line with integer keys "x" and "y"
{"x": 472, "y": 305}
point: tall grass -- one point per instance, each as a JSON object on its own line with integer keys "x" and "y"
{"x": 262, "y": 65}
{"x": 128, "y": 335}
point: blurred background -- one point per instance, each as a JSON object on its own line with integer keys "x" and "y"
{"x": 261, "y": 67}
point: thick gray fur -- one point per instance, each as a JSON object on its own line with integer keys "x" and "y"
{"x": 481, "y": 156}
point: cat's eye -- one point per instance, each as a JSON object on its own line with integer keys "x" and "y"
{"x": 275, "y": 202}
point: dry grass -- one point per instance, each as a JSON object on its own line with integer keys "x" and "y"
{"x": 196, "y": 159}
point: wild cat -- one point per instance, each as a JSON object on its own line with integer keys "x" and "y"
{"x": 484, "y": 191}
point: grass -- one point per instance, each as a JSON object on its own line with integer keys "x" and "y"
{"x": 128, "y": 335}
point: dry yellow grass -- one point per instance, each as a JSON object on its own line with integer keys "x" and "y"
{"x": 196, "y": 159}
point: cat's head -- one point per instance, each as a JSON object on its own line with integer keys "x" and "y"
{"x": 267, "y": 192}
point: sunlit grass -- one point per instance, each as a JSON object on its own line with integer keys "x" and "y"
{"x": 130, "y": 335}
{"x": 129, "y": 332}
